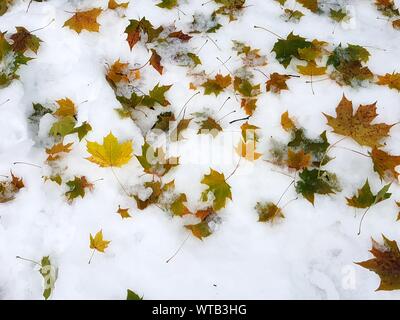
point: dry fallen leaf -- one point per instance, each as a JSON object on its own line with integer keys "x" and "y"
{"x": 85, "y": 20}
{"x": 358, "y": 126}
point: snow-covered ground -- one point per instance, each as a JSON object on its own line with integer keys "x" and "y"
{"x": 309, "y": 254}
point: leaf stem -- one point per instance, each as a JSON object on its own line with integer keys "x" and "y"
{"x": 179, "y": 249}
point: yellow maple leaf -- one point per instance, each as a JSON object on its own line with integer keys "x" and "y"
{"x": 112, "y": 4}
{"x": 286, "y": 122}
{"x": 123, "y": 212}
{"x": 111, "y": 153}
{"x": 311, "y": 69}
{"x": 97, "y": 242}
{"x": 358, "y": 126}
{"x": 54, "y": 151}
{"x": 65, "y": 108}
{"x": 390, "y": 80}
{"x": 84, "y": 20}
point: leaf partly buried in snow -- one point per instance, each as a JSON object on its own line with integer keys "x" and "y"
{"x": 218, "y": 187}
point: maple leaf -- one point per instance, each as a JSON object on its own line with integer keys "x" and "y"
{"x": 365, "y": 198}
{"x": 286, "y": 49}
{"x": 268, "y": 212}
{"x": 298, "y": 160}
{"x": 195, "y": 58}
{"x": 316, "y": 181}
{"x": 250, "y": 57}
{"x": 178, "y": 207}
{"x": 180, "y": 35}
{"x": 118, "y": 73}
{"x": 167, "y": 4}
{"x": 123, "y": 212}
{"x": 49, "y": 274}
{"x": 24, "y": 40}
{"x": 66, "y": 108}
{"x": 277, "y": 82}
{"x": 396, "y": 24}
{"x": 311, "y": 69}
{"x": 8, "y": 189}
{"x": 163, "y": 121}
{"x": 111, "y": 153}
{"x": 154, "y": 161}
{"x": 358, "y": 126}
{"x": 155, "y": 61}
{"x": 112, "y": 4}
{"x": 312, "y": 5}
{"x": 386, "y": 263}
{"x": 338, "y": 15}
{"x": 155, "y": 186}
{"x": 204, "y": 214}
{"x": 218, "y": 187}
{"x": 316, "y": 147}
{"x": 85, "y": 20}
{"x": 385, "y": 164}
{"x": 4, "y": 5}
{"x": 82, "y": 130}
{"x": 229, "y": 8}
{"x": 295, "y": 15}
{"x": 157, "y": 95}
{"x": 387, "y": 7}
{"x": 137, "y": 27}
{"x": 182, "y": 125}
{"x": 77, "y": 188}
{"x": 200, "y": 230}
{"x": 130, "y": 295}
{"x": 63, "y": 127}
{"x": 286, "y": 122}
{"x": 97, "y": 242}
{"x": 217, "y": 85}
{"x": 209, "y": 126}
{"x": 54, "y": 151}
{"x": 390, "y": 80}
{"x": 348, "y": 65}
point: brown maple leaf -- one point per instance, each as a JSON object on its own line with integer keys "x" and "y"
{"x": 277, "y": 82}
{"x": 84, "y": 20}
{"x": 358, "y": 126}
{"x": 385, "y": 164}
{"x": 386, "y": 263}
{"x": 155, "y": 61}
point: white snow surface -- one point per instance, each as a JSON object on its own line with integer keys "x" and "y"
{"x": 308, "y": 255}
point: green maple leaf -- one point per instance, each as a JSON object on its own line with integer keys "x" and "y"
{"x": 338, "y": 15}
{"x": 130, "y": 295}
{"x": 82, "y": 130}
{"x": 63, "y": 127}
{"x": 286, "y": 49}
{"x": 77, "y": 188}
{"x": 365, "y": 198}
{"x": 219, "y": 187}
{"x": 316, "y": 182}
{"x": 156, "y": 96}
{"x": 49, "y": 276}
{"x": 317, "y": 147}
{"x": 167, "y": 4}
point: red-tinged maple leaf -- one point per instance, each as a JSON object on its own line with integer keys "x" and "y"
{"x": 386, "y": 263}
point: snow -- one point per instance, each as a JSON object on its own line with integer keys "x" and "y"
{"x": 309, "y": 254}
